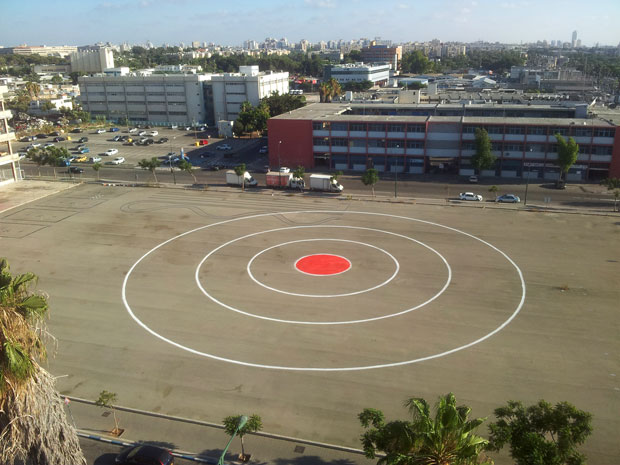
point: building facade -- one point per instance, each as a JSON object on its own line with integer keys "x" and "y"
{"x": 157, "y": 99}
{"x": 230, "y": 90}
{"x": 383, "y": 54}
{"x": 9, "y": 161}
{"x": 60, "y": 51}
{"x": 378, "y": 74}
{"x": 95, "y": 61}
{"x": 436, "y": 138}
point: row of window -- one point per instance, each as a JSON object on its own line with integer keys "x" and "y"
{"x": 383, "y": 143}
{"x": 371, "y": 127}
{"x": 584, "y": 149}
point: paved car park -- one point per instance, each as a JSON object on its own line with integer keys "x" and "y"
{"x": 525, "y": 306}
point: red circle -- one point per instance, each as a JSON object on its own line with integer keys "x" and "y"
{"x": 323, "y": 264}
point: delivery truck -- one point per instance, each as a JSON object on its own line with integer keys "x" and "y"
{"x": 325, "y": 183}
{"x": 234, "y": 180}
{"x": 279, "y": 180}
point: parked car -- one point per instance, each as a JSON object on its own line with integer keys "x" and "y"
{"x": 162, "y": 140}
{"x": 49, "y": 144}
{"x": 94, "y": 159}
{"x": 59, "y": 139}
{"x": 117, "y": 161}
{"x": 34, "y": 145}
{"x": 80, "y": 147}
{"x": 76, "y": 130}
{"x": 470, "y": 196}
{"x": 263, "y": 149}
{"x": 473, "y": 178}
{"x": 28, "y": 138}
{"x": 41, "y": 136}
{"x": 117, "y": 138}
{"x": 100, "y": 131}
{"x": 174, "y": 126}
{"x": 84, "y": 150}
{"x": 76, "y": 170}
{"x": 144, "y": 454}
{"x": 55, "y": 133}
{"x": 508, "y": 198}
{"x": 110, "y": 152}
{"x": 224, "y": 147}
{"x": 153, "y": 133}
{"x": 113, "y": 129}
{"x": 284, "y": 169}
{"x": 81, "y": 159}
{"x": 142, "y": 133}
{"x": 133, "y": 130}
{"x": 83, "y": 139}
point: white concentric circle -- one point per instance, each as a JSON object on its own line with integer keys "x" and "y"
{"x": 365, "y": 320}
{"x": 511, "y": 317}
{"x": 312, "y": 255}
{"x": 249, "y": 268}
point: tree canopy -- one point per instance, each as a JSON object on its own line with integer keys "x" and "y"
{"x": 483, "y": 159}
{"x": 279, "y": 104}
{"x": 370, "y": 178}
{"x": 567, "y": 153}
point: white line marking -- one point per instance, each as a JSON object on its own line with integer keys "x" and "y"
{"x": 321, "y": 369}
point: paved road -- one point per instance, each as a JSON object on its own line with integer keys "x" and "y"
{"x": 101, "y": 453}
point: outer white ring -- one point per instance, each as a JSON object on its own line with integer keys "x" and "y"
{"x": 359, "y": 368}
{"x": 365, "y": 320}
{"x": 310, "y": 274}
{"x": 312, "y": 255}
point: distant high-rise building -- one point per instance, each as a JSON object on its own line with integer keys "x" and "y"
{"x": 195, "y": 44}
{"x": 578, "y": 43}
{"x": 574, "y": 39}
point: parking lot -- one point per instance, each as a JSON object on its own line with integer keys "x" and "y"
{"x": 204, "y": 156}
{"x": 131, "y": 317}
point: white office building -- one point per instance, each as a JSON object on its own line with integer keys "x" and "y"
{"x": 230, "y": 90}
{"x": 92, "y": 61}
{"x": 158, "y": 99}
{"x": 358, "y": 72}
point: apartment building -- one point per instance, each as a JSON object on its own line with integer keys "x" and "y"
{"x": 9, "y": 161}
{"x": 158, "y": 99}
{"x": 383, "y": 54}
{"x": 358, "y": 72}
{"x": 410, "y": 138}
{"x": 92, "y": 61}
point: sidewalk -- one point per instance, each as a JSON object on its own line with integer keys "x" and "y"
{"x": 202, "y": 441}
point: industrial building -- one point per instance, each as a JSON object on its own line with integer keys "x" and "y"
{"x": 92, "y": 61}
{"x": 9, "y": 161}
{"x": 412, "y": 138}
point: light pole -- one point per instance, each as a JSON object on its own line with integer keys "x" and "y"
{"x": 242, "y": 421}
{"x": 396, "y": 176}
{"x": 279, "y": 166}
{"x": 174, "y": 178}
{"x": 527, "y": 183}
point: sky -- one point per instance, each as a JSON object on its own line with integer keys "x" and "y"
{"x": 83, "y": 22}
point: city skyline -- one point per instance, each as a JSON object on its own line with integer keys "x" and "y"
{"x": 175, "y": 21}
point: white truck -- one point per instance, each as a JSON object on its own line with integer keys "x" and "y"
{"x": 276, "y": 180}
{"x": 325, "y": 183}
{"x": 234, "y": 180}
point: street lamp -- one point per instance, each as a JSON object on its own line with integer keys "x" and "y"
{"x": 174, "y": 178}
{"x": 396, "y": 176}
{"x": 279, "y": 166}
{"x": 527, "y": 179}
{"x": 242, "y": 421}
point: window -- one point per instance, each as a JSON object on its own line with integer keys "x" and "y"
{"x": 320, "y": 141}
{"x": 537, "y": 130}
{"x": 416, "y": 128}
{"x": 604, "y": 132}
{"x": 499, "y": 130}
{"x": 601, "y": 150}
{"x": 396, "y": 128}
{"x": 376, "y": 127}
{"x": 560, "y": 131}
{"x": 376, "y": 143}
{"x": 357, "y": 127}
{"x": 339, "y": 126}
{"x": 415, "y": 144}
{"x": 583, "y": 132}
{"x": 515, "y": 130}
{"x": 320, "y": 125}
{"x": 396, "y": 144}
{"x": 339, "y": 142}
{"x": 513, "y": 148}
{"x": 469, "y": 129}
{"x": 464, "y": 146}
{"x": 357, "y": 142}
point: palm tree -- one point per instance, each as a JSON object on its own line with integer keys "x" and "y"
{"x": 336, "y": 89}
{"x": 186, "y": 166}
{"x": 33, "y": 89}
{"x": 447, "y": 438}
{"x": 33, "y": 425}
{"x": 325, "y": 92}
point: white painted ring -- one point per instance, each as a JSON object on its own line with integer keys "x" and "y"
{"x": 512, "y": 316}
{"x": 249, "y": 269}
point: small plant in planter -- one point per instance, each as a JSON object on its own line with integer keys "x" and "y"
{"x": 106, "y": 400}
{"x": 253, "y": 424}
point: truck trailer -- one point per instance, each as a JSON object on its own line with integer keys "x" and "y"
{"x": 325, "y": 183}
{"x": 279, "y": 180}
{"x": 234, "y": 180}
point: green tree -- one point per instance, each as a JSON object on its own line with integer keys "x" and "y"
{"x": 33, "y": 423}
{"x": 279, "y": 104}
{"x": 38, "y": 157}
{"x": 253, "y": 424}
{"x": 567, "y": 154}
{"x": 299, "y": 173}
{"x": 611, "y": 183}
{"x": 186, "y": 166}
{"x": 336, "y": 175}
{"x": 448, "y": 437}
{"x": 74, "y": 77}
{"x": 493, "y": 189}
{"x": 97, "y": 167}
{"x": 370, "y": 178}
{"x": 240, "y": 171}
{"x": 616, "y": 197}
{"x": 107, "y": 400}
{"x": 483, "y": 159}
{"x": 415, "y": 62}
{"x": 47, "y": 106}
{"x": 57, "y": 79}
{"x": 541, "y": 434}
{"x": 150, "y": 165}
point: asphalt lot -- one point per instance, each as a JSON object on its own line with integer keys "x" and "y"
{"x": 308, "y": 359}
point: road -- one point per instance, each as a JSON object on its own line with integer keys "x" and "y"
{"x": 101, "y": 453}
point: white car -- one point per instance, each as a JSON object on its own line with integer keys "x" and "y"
{"x": 49, "y": 144}
{"x": 142, "y": 133}
{"x": 133, "y": 130}
{"x": 153, "y": 133}
{"x": 118, "y": 161}
{"x": 110, "y": 152}
{"x": 95, "y": 159}
{"x": 224, "y": 147}
{"x": 100, "y": 131}
{"x": 174, "y": 126}
{"x": 470, "y": 196}
{"x": 284, "y": 169}
{"x": 33, "y": 146}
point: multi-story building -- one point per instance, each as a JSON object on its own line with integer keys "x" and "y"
{"x": 158, "y": 99}
{"x": 440, "y": 138}
{"x": 383, "y": 54}
{"x": 44, "y": 50}
{"x": 93, "y": 61}
{"x": 230, "y": 90}
{"x": 358, "y": 72}
{"x": 9, "y": 161}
